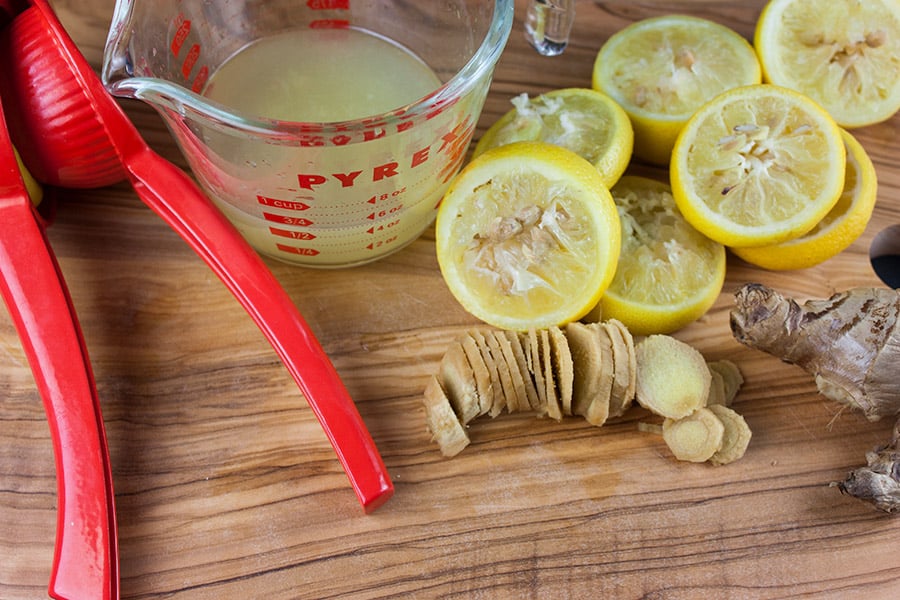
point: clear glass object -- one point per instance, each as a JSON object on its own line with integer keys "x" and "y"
{"x": 332, "y": 192}
{"x": 548, "y": 24}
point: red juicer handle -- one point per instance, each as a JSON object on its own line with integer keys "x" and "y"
{"x": 176, "y": 198}
{"x": 85, "y": 562}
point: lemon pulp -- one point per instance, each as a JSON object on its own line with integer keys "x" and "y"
{"x": 662, "y": 69}
{"x": 757, "y": 165}
{"x": 668, "y": 274}
{"x": 585, "y": 121}
{"x": 527, "y": 236}
{"x": 837, "y": 230}
{"x": 845, "y": 55}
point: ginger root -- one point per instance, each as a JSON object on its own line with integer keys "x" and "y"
{"x": 850, "y": 344}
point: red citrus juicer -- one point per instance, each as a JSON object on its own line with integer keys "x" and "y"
{"x": 85, "y": 562}
{"x": 70, "y": 132}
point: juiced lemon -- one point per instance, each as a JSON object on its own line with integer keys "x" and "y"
{"x": 587, "y": 122}
{"x": 662, "y": 69}
{"x": 840, "y": 227}
{"x": 757, "y": 165}
{"x": 528, "y": 236}
{"x": 843, "y": 54}
{"x": 35, "y": 191}
{"x": 669, "y": 274}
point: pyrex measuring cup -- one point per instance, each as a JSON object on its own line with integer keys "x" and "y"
{"x": 363, "y": 176}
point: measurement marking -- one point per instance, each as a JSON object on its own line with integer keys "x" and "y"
{"x": 190, "y": 60}
{"x": 294, "y": 235}
{"x": 284, "y": 220}
{"x": 285, "y": 204}
{"x": 298, "y": 251}
{"x": 180, "y": 36}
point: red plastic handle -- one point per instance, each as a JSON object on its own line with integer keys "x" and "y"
{"x": 85, "y": 562}
{"x": 175, "y": 197}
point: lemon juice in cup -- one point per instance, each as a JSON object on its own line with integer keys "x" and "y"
{"x": 326, "y": 132}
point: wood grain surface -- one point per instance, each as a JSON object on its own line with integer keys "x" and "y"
{"x": 226, "y": 488}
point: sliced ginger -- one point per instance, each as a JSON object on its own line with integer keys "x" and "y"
{"x": 672, "y": 377}
{"x": 736, "y": 436}
{"x": 442, "y": 421}
{"x": 732, "y": 379}
{"x": 595, "y": 370}
{"x": 696, "y": 437}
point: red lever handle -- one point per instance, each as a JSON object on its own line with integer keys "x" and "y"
{"x": 174, "y": 197}
{"x": 50, "y": 67}
{"x": 85, "y": 562}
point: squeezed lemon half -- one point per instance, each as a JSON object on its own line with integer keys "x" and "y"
{"x": 35, "y": 191}
{"x": 662, "y": 69}
{"x": 837, "y": 230}
{"x": 757, "y": 165}
{"x": 844, "y": 54}
{"x": 527, "y": 236}
{"x": 669, "y": 274}
{"x": 585, "y": 121}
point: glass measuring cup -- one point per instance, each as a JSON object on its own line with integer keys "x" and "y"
{"x": 325, "y": 192}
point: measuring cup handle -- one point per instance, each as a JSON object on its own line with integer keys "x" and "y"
{"x": 85, "y": 562}
{"x": 176, "y": 198}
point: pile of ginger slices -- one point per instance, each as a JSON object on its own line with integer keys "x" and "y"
{"x": 593, "y": 370}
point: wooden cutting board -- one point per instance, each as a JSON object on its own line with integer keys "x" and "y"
{"x": 227, "y": 488}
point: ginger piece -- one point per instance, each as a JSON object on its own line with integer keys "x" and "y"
{"x": 483, "y": 385}
{"x": 878, "y": 483}
{"x": 598, "y": 410}
{"x": 531, "y": 395}
{"x": 623, "y": 372}
{"x": 554, "y": 410}
{"x": 584, "y": 344}
{"x": 716, "y": 389}
{"x": 695, "y": 437}
{"x": 850, "y": 342}
{"x": 672, "y": 377}
{"x": 563, "y": 368}
{"x": 736, "y": 437}
{"x": 498, "y": 400}
{"x": 442, "y": 421}
{"x": 458, "y": 379}
{"x": 515, "y": 375}
{"x": 537, "y": 372}
{"x": 731, "y": 377}
{"x": 506, "y": 383}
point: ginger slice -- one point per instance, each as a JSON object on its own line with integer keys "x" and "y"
{"x": 584, "y": 345}
{"x": 619, "y": 400}
{"x": 534, "y": 352}
{"x": 517, "y": 400}
{"x": 442, "y": 421}
{"x": 736, "y": 437}
{"x": 672, "y": 377}
{"x": 561, "y": 357}
{"x": 696, "y": 437}
{"x": 632, "y": 361}
{"x": 498, "y": 402}
{"x": 553, "y": 409}
{"x": 531, "y": 395}
{"x": 598, "y": 410}
{"x": 458, "y": 380}
{"x": 731, "y": 377}
{"x": 483, "y": 384}
{"x": 508, "y": 392}
{"x": 716, "y": 390}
